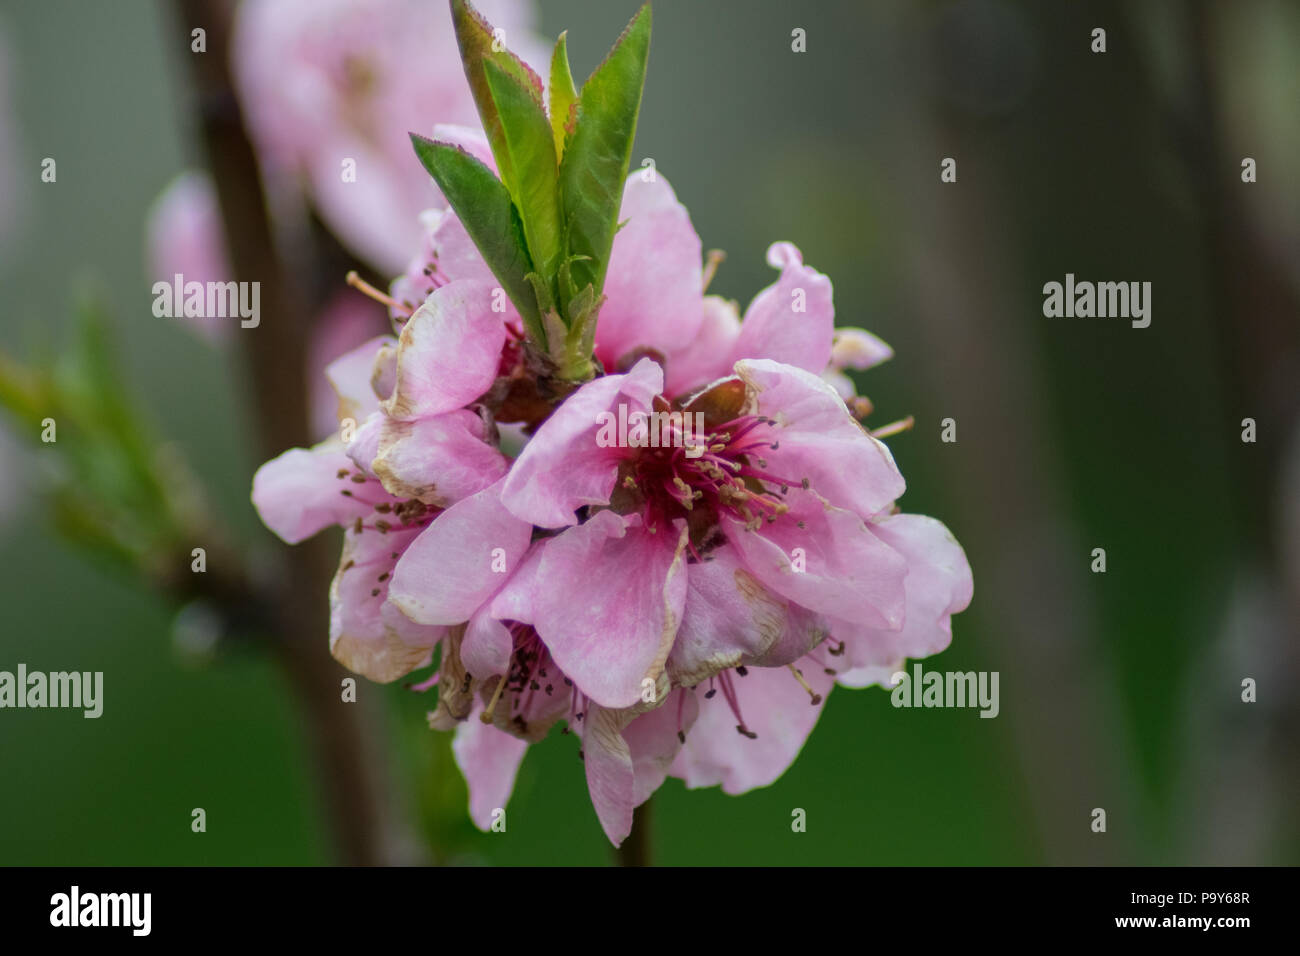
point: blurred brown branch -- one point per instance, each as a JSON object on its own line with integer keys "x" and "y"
{"x": 275, "y": 353}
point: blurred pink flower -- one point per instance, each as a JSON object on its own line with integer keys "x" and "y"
{"x": 323, "y": 82}
{"x": 183, "y": 236}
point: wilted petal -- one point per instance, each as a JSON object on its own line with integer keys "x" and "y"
{"x": 732, "y": 619}
{"x": 610, "y": 775}
{"x": 440, "y": 459}
{"x": 653, "y": 741}
{"x": 447, "y": 254}
{"x": 367, "y": 634}
{"x": 449, "y": 351}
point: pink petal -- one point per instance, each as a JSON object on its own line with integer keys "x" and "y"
{"x": 707, "y": 358}
{"x": 490, "y": 760}
{"x": 516, "y": 600}
{"x": 731, "y": 619}
{"x": 772, "y": 328}
{"x": 609, "y": 599}
{"x": 653, "y": 742}
{"x": 373, "y": 218}
{"x": 848, "y": 571}
{"x": 610, "y": 775}
{"x": 449, "y": 351}
{"x": 486, "y": 647}
{"x": 563, "y": 468}
{"x": 774, "y": 706}
{"x": 350, "y": 373}
{"x": 653, "y": 286}
{"x": 440, "y": 459}
{"x": 446, "y": 255}
{"x": 468, "y": 138}
{"x": 363, "y": 449}
{"x": 859, "y": 349}
{"x": 451, "y": 568}
{"x": 367, "y": 633}
{"x": 299, "y": 493}
{"x": 819, "y": 439}
{"x": 185, "y": 236}
{"x": 938, "y": 585}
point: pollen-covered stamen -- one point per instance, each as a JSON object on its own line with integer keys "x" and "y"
{"x": 531, "y": 673}
{"x": 409, "y": 513}
{"x": 383, "y": 298}
{"x": 894, "y": 428}
{"x": 487, "y": 715}
{"x": 729, "y": 694}
{"x": 816, "y": 697}
{"x": 826, "y": 667}
{"x": 719, "y": 472}
{"x": 712, "y": 259}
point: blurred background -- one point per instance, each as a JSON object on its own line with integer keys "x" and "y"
{"x": 1119, "y": 690}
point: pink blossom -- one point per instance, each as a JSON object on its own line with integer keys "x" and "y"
{"x": 183, "y": 236}
{"x": 304, "y": 491}
{"x": 682, "y": 614}
{"x": 324, "y": 81}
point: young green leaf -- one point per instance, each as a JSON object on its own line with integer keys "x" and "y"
{"x": 596, "y": 157}
{"x": 483, "y": 205}
{"x": 530, "y": 149}
{"x": 562, "y": 92}
{"x": 478, "y": 45}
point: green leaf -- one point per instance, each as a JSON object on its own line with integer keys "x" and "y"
{"x": 562, "y": 92}
{"x": 482, "y": 203}
{"x": 530, "y": 151}
{"x": 594, "y": 168}
{"x": 476, "y": 41}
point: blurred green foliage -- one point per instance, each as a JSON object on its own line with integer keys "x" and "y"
{"x": 761, "y": 145}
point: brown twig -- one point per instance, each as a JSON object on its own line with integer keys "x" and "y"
{"x": 276, "y": 354}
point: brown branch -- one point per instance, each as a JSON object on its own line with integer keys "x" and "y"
{"x": 276, "y": 354}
